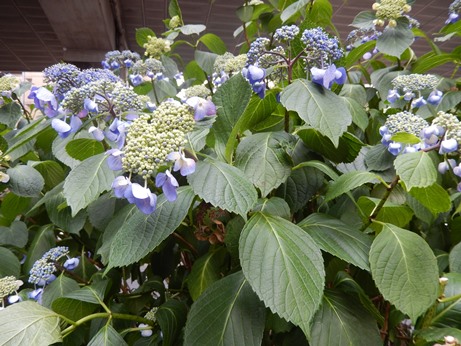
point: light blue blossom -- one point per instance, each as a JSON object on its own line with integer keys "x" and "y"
{"x": 202, "y": 107}
{"x": 327, "y": 77}
{"x": 182, "y": 164}
{"x": 393, "y": 95}
{"x": 448, "y": 146}
{"x": 142, "y": 197}
{"x": 435, "y": 97}
{"x": 63, "y": 128}
{"x": 71, "y": 263}
{"x": 120, "y": 185}
{"x": 114, "y": 160}
{"x": 44, "y": 100}
{"x": 168, "y": 183}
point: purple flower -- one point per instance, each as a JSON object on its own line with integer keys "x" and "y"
{"x": 117, "y": 132}
{"x": 255, "y": 76}
{"x": 393, "y": 95}
{"x": 408, "y": 96}
{"x": 64, "y": 129}
{"x": 448, "y": 146}
{"x": 36, "y": 294}
{"x": 120, "y": 185}
{"x": 136, "y": 79}
{"x": 452, "y": 18}
{"x": 151, "y": 106}
{"x": 14, "y": 299}
{"x": 182, "y": 164}
{"x": 142, "y": 197}
{"x": 386, "y": 140}
{"x": 457, "y": 170}
{"x": 71, "y": 263}
{"x": 394, "y": 148}
{"x": 114, "y": 64}
{"x": 435, "y": 97}
{"x": 418, "y": 102}
{"x": 444, "y": 166}
{"x": 90, "y": 106}
{"x": 97, "y": 133}
{"x": 202, "y": 107}
{"x": 44, "y": 100}
{"x": 168, "y": 183}
{"x": 128, "y": 63}
{"x": 367, "y": 56}
{"x": 383, "y": 130}
{"x": 105, "y": 64}
{"x": 327, "y": 77}
{"x": 114, "y": 160}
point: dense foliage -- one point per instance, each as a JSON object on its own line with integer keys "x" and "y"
{"x": 304, "y": 192}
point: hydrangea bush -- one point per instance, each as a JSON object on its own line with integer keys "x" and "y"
{"x": 305, "y": 191}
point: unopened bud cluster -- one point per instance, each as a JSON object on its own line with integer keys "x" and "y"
{"x": 450, "y": 124}
{"x": 257, "y": 48}
{"x": 319, "y": 45}
{"x": 9, "y": 285}
{"x": 411, "y": 88}
{"x": 390, "y": 10}
{"x": 273, "y": 57}
{"x": 153, "y": 136}
{"x": 415, "y": 82}
{"x": 156, "y": 47}
{"x": 43, "y": 268}
{"x": 405, "y": 122}
{"x": 229, "y": 64}
{"x": 116, "y": 59}
{"x": 194, "y": 91}
{"x": 150, "y": 315}
{"x": 7, "y": 84}
{"x": 286, "y": 33}
{"x": 150, "y": 66}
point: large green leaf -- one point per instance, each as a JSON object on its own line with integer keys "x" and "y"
{"x": 13, "y": 205}
{"x": 339, "y": 239}
{"x": 264, "y": 160}
{"x": 227, "y": 313}
{"x": 214, "y": 43}
{"x": 51, "y": 171}
{"x": 25, "y": 181}
{"x": 205, "y": 60}
{"x": 86, "y": 181}
{"x": 394, "y": 41}
{"x": 107, "y": 336}
{"x": 341, "y": 320}
{"x": 205, "y": 271}
{"x": 9, "y": 263}
{"x": 284, "y": 267}
{"x": 223, "y": 186}
{"x": 359, "y": 115}
{"x": 293, "y": 9}
{"x": 140, "y": 233}
{"x": 320, "y": 108}
{"x": 348, "y": 182}
{"x": 171, "y": 316}
{"x": 230, "y": 99}
{"x": 454, "y": 258}
{"x": 397, "y": 214}
{"x": 448, "y": 314}
{"x": 10, "y": 114}
{"x": 405, "y": 270}
{"x": 59, "y": 148}
{"x": 58, "y": 288}
{"x": 274, "y": 206}
{"x": 28, "y": 323}
{"x": 16, "y": 234}
{"x": 62, "y": 216}
{"x": 83, "y": 148}
{"x": 434, "y": 197}
{"x": 416, "y": 169}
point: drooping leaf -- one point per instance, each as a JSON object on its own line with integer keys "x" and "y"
{"x": 205, "y": 60}
{"x": 416, "y": 169}
{"x": 264, "y": 160}
{"x": 348, "y": 182}
{"x": 28, "y": 323}
{"x": 364, "y": 20}
{"x": 171, "y": 317}
{"x": 232, "y": 309}
{"x": 394, "y": 41}
{"x": 341, "y": 240}
{"x": 15, "y": 235}
{"x": 9, "y": 263}
{"x": 83, "y": 148}
{"x": 341, "y": 320}
{"x": 359, "y": 115}
{"x": 230, "y": 99}
{"x": 107, "y": 336}
{"x": 192, "y": 29}
{"x": 405, "y": 270}
{"x": 25, "y": 181}
{"x": 141, "y": 233}
{"x": 284, "y": 267}
{"x": 293, "y": 9}
{"x": 223, "y": 186}
{"x": 86, "y": 182}
{"x": 205, "y": 271}
{"x": 320, "y": 108}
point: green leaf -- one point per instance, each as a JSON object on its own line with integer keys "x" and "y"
{"x": 397, "y": 214}
{"x": 223, "y": 186}
{"x": 347, "y": 182}
{"x": 26, "y": 135}
{"x": 434, "y": 197}
{"x": 359, "y": 115}
{"x": 43, "y": 241}
{"x": 86, "y": 182}
{"x": 274, "y": 206}
{"x": 59, "y": 149}
{"x": 83, "y": 148}
{"x": 25, "y": 181}
{"x": 450, "y": 100}
{"x": 73, "y": 309}
{"x": 448, "y": 314}
{"x": 454, "y": 259}
{"x": 320, "y": 108}
{"x": 432, "y": 334}
{"x": 107, "y": 336}
{"x": 206, "y": 270}
{"x": 394, "y": 41}
{"x": 141, "y": 233}
{"x": 58, "y": 288}
{"x": 300, "y": 186}
{"x": 51, "y": 171}
{"x": 101, "y": 211}
{"x": 10, "y": 114}
{"x": 142, "y": 34}
{"x": 293, "y": 9}
{"x": 416, "y": 169}
{"x": 28, "y": 323}
{"x": 192, "y": 29}
{"x": 62, "y": 217}
{"x": 339, "y": 239}
{"x": 15, "y": 235}
{"x": 405, "y": 270}
{"x": 378, "y": 158}
{"x": 230, "y": 99}
{"x": 205, "y": 60}
{"x": 341, "y": 320}
{"x": 284, "y": 267}
{"x": 174, "y": 9}
{"x": 171, "y": 316}
{"x": 364, "y": 20}
{"x": 257, "y": 111}
{"x": 356, "y": 53}
{"x": 9, "y": 263}
{"x": 406, "y": 138}
{"x": 346, "y": 151}
{"x": 227, "y": 313}
{"x": 214, "y": 43}
{"x": 432, "y": 60}
{"x": 264, "y": 160}
{"x": 13, "y": 205}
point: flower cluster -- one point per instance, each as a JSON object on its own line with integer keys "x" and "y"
{"x": 116, "y": 59}
{"x": 411, "y": 87}
{"x": 286, "y": 33}
{"x": 7, "y": 84}
{"x": 153, "y": 140}
{"x": 257, "y": 48}
{"x": 151, "y": 68}
{"x": 255, "y": 76}
{"x": 8, "y": 286}
{"x": 62, "y": 77}
{"x": 390, "y": 10}
{"x": 225, "y": 66}
{"x": 453, "y": 12}
{"x": 193, "y": 91}
{"x": 43, "y": 270}
{"x": 320, "y": 47}
{"x": 359, "y": 36}
{"x": 156, "y": 47}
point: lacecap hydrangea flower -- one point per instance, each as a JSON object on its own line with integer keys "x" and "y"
{"x": 414, "y": 88}
{"x": 453, "y": 12}
{"x": 9, "y": 286}
{"x": 155, "y": 47}
{"x": 390, "y": 10}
